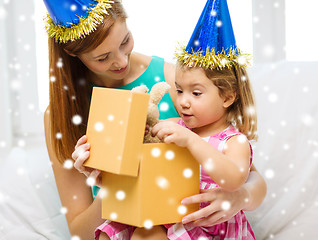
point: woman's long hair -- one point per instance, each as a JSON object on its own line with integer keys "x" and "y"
{"x": 70, "y": 89}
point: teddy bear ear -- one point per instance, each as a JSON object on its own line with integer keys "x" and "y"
{"x": 157, "y": 91}
{"x": 140, "y": 89}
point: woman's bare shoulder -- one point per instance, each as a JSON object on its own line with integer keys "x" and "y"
{"x": 140, "y": 59}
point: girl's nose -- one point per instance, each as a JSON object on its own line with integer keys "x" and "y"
{"x": 184, "y": 102}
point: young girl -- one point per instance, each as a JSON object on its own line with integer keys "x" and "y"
{"x": 90, "y": 44}
{"x": 216, "y": 105}
{"x": 217, "y": 120}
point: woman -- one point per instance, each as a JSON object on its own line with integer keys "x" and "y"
{"x": 102, "y": 55}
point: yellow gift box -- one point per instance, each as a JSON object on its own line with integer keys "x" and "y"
{"x": 142, "y": 184}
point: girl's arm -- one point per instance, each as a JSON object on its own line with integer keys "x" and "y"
{"x": 229, "y": 169}
{"x": 83, "y": 214}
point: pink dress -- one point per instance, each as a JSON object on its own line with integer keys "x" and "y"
{"x": 237, "y": 227}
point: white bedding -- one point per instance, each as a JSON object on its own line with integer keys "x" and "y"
{"x": 286, "y": 155}
{"x": 29, "y": 202}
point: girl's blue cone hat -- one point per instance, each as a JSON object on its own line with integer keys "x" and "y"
{"x": 69, "y": 20}
{"x": 212, "y": 44}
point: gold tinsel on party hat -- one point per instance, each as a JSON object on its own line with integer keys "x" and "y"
{"x": 85, "y": 26}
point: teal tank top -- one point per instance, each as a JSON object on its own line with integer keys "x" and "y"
{"x": 152, "y": 75}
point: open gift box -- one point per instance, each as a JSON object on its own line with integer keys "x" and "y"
{"x": 143, "y": 184}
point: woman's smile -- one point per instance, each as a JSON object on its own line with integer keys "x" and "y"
{"x": 120, "y": 70}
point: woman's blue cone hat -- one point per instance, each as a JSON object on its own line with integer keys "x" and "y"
{"x": 212, "y": 44}
{"x": 69, "y": 20}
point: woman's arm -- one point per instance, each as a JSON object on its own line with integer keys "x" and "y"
{"x": 83, "y": 214}
{"x": 248, "y": 197}
{"x": 255, "y": 188}
{"x": 170, "y": 73}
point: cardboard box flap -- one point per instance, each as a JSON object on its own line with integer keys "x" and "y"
{"x": 115, "y": 130}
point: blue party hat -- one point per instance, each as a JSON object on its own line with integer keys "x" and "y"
{"x": 212, "y": 44}
{"x": 69, "y": 20}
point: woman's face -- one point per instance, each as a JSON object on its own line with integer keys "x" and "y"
{"x": 110, "y": 60}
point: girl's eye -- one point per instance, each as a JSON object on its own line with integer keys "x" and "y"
{"x": 179, "y": 91}
{"x": 196, "y": 94}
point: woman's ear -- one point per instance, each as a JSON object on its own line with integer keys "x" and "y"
{"x": 69, "y": 53}
{"x": 229, "y": 100}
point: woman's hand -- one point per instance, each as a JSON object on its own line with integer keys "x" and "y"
{"x": 80, "y": 155}
{"x": 223, "y": 206}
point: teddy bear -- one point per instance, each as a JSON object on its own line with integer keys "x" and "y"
{"x": 156, "y": 93}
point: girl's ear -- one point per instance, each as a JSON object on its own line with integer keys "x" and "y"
{"x": 229, "y": 100}
{"x": 69, "y": 53}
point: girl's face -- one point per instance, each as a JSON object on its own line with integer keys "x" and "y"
{"x": 111, "y": 59}
{"x": 199, "y": 103}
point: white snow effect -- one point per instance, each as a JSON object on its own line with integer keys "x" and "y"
{"x": 21, "y": 143}
{"x": 68, "y": 164}
{"x": 226, "y": 205}
{"x": 208, "y": 165}
{"x": 162, "y": 182}
{"x": 77, "y": 119}
{"x": 241, "y": 138}
{"x": 73, "y": 7}
{"x": 3, "y": 13}
{"x": 268, "y": 51}
{"x": 75, "y": 237}
{"x": 58, "y": 135}
{"x": 148, "y": 224}
{"x": 20, "y": 171}
{"x": 103, "y": 193}
{"x": 99, "y": 126}
{"x": 203, "y": 238}
{"x": 155, "y": 152}
{"x": 187, "y": 173}
{"x": 164, "y": 106}
{"x": 170, "y": 155}
{"x": 269, "y": 173}
{"x": 113, "y": 216}
{"x": 157, "y": 78}
{"x": 120, "y": 195}
{"x": 272, "y": 97}
{"x": 213, "y": 13}
{"x": 3, "y": 144}
{"x": 59, "y": 63}
{"x": 63, "y": 210}
{"x": 90, "y": 181}
{"x": 307, "y": 120}
{"x": 111, "y": 117}
{"x": 182, "y": 209}
{"x": 219, "y": 23}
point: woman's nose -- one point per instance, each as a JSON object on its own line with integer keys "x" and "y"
{"x": 121, "y": 60}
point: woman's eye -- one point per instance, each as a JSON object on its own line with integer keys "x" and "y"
{"x": 125, "y": 41}
{"x": 103, "y": 59}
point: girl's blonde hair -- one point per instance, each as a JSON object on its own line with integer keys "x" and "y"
{"x": 69, "y": 88}
{"x": 242, "y": 113}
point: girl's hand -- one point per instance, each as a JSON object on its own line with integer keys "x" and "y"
{"x": 223, "y": 206}
{"x": 80, "y": 155}
{"x": 171, "y": 132}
